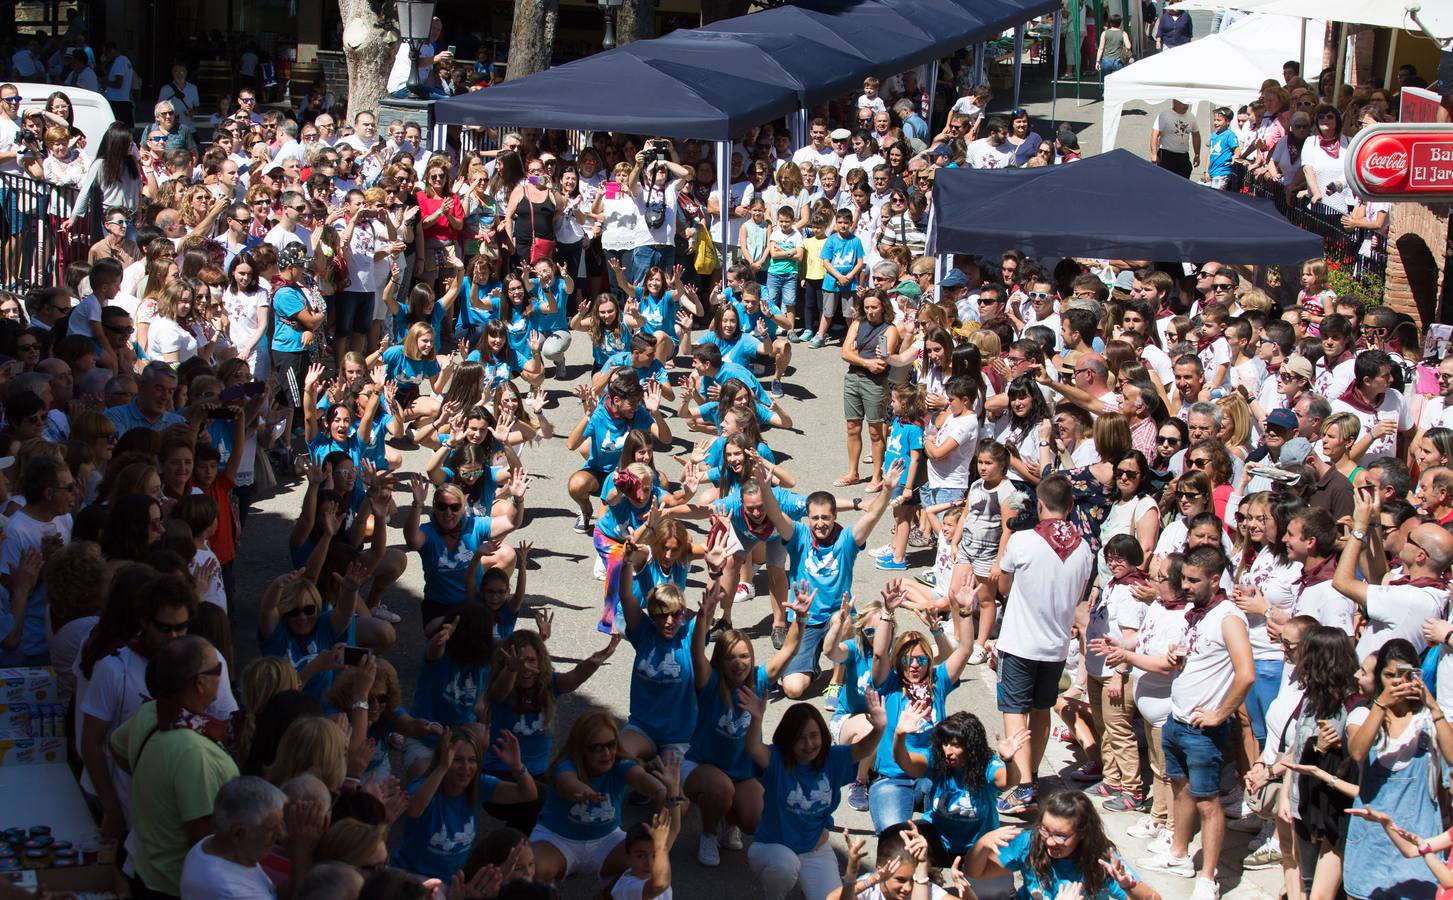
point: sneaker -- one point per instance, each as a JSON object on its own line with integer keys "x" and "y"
{"x": 817, "y": 342}
{"x": 582, "y": 525}
{"x": 832, "y": 691}
{"x": 1206, "y": 889}
{"x": 978, "y": 656}
{"x": 917, "y": 537}
{"x": 1145, "y": 829}
{"x": 1265, "y": 855}
{"x": 387, "y": 615}
{"x": 1105, "y": 789}
{"x": 889, "y": 564}
{"x": 858, "y": 796}
{"x": 1124, "y": 801}
{"x": 880, "y": 552}
{"x": 777, "y": 387}
{"x": 731, "y": 837}
{"x": 708, "y": 853}
{"x": 1018, "y": 801}
{"x": 1234, "y": 803}
{"x": 599, "y": 569}
{"x": 1062, "y": 734}
{"x": 779, "y": 636}
{"x": 1180, "y": 866}
{"x": 745, "y": 592}
{"x": 1160, "y": 844}
{"x": 926, "y": 579}
{"x": 1088, "y": 770}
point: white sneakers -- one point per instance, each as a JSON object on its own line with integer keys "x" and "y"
{"x": 1206, "y": 889}
{"x": 979, "y": 656}
{"x": 1180, "y": 866}
{"x": 731, "y": 837}
{"x": 1145, "y": 828}
{"x": 708, "y": 853}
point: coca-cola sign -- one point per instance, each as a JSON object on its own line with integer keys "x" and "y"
{"x": 1408, "y": 161}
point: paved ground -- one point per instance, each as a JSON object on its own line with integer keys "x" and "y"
{"x": 560, "y": 578}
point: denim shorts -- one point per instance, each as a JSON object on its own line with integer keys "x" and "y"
{"x": 805, "y": 660}
{"x": 933, "y": 496}
{"x": 1026, "y": 685}
{"x": 1194, "y": 754}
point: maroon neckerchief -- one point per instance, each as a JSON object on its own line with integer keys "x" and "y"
{"x": 1332, "y": 362}
{"x": 1353, "y": 398}
{"x": 761, "y": 530}
{"x": 1164, "y": 312}
{"x": 1332, "y": 148}
{"x": 1313, "y": 577}
{"x": 172, "y": 716}
{"x": 832, "y": 537}
{"x": 1198, "y": 613}
{"x": 1061, "y": 536}
{"x": 1273, "y": 368}
{"x": 1427, "y": 581}
{"x": 1134, "y": 578}
{"x": 1203, "y": 343}
{"x": 1176, "y": 603}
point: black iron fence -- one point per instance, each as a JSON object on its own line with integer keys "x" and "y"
{"x": 34, "y": 250}
{"x": 1361, "y": 253}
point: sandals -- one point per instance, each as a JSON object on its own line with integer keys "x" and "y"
{"x": 847, "y": 481}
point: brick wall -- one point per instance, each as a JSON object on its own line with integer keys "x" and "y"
{"x": 335, "y": 68}
{"x": 1418, "y": 259}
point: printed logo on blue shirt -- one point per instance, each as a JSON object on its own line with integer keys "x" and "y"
{"x": 660, "y": 666}
{"x": 814, "y": 802}
{"x": 442, "y": 842}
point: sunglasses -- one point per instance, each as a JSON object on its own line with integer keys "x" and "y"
{"x": 1198, "y": 463}
{"x": 298, "y": 612}
{"x": 1127, "y": 473}
{"x": 171, "y": 627}
{"x": 917, "y": 659}
{"x": 379, "y": 699}
{"x": 1189, "y": 495}
{"x": 1220, "y": 288}
{"x": 448, "y": 507}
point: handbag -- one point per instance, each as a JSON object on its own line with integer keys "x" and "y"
{"x": 707, "y": 259}
{"x": 540, "y": 248}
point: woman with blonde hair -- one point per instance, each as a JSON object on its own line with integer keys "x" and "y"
{"x": 173, "y": 336}
{"x": 354, "y": 843}
{"x": 384, "y": 716}
{"x": 1343, "y": 443}
{"x": 786, "y": 191}
{"x": 314, "y": 746}
{"x": 1235, "y": 431}
{"x": 409, "y": 365}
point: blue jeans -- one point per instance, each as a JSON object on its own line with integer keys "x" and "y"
{"x": 1194, "y": 755}
{"x": 892, "y": 800}
{"x": 643, "y": 258}
{"x": 1263, "y": 690}
{"x": 781, "y": 290}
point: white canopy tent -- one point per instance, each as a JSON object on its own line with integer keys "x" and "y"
{"x": 1224, "y": 69}
{"x": 1437, "y": 15}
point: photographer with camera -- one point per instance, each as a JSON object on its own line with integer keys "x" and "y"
{"x": 655, "y": 185}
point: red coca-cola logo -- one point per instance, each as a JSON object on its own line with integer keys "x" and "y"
{"x": 1402, "y": 162}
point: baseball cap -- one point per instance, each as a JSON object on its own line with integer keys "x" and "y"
{"x": 1300, "y": 366}
{"x": 954, "y": 279}
{"x": 1282, "y": 418}
{"x": 840, "y": 134}
{"x": 1068, "y": 140}
{"x": 909, "y": 289}
{"x": 1125, "y": 281}
{"x": 937, "y": 152}
{"x": 293, "y": 254}
{"x": 1295, "y": 452}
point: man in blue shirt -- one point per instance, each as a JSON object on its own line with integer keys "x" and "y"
{"x": 624, "y": 405}
{"x": 152, "y": 406}
{"x": 821, "y": 553}
{"x": 712, "y": 373}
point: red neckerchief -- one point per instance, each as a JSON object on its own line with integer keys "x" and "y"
{"x": 1061, "y": 536}
{"x": 1272, "y": 368}
{"x": 1427, "y": 581}
{"x": 1164, "y": 312}
{"x": 1314, "y": 577}
{"x": 1176, "y": 603}
{"x": 1198, "y": 613}
{"x": 172, "y": 716}
{"x": 1353, "y": 398}
{"x": 1134, "y": 578}
{"x": 760, "y": 530}
{"x": 836, "y": 530}
{"x": 1333, "y": 362}
{"x": 1333, "y": 149}
{"x": 1203, "y": 343}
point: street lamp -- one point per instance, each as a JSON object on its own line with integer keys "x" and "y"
{"x": 609, "y": 8}
{"x": 416, "y": 19}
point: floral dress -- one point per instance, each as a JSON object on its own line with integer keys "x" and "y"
{"x": 1092, "y": 502}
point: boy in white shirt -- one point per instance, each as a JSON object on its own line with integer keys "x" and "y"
{"x": 870, "y": 98}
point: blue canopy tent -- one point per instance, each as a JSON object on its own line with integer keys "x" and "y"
{"x": 621, "y": 91}
{"x": 816, "y": 71}
{"x": 889, "y": 40}
{"x": 1115, "y": 205}
{"x": 938, "y": 26}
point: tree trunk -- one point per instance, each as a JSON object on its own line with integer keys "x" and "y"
{"x": 532, "y": 37}
{"x": 636, "y": 21}
{"x": 370, "y": 42}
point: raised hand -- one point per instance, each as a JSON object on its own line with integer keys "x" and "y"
{"x": 507, "y": 748}
{"x": 755, "y": 705}
{"x": 600, "y": 656}
{"x": 1011, "y": 745}
{"x": 877, "y": 712}
{"x": 544, "y": 622}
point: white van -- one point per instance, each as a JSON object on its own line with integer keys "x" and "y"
{"x": 91, "y": 111}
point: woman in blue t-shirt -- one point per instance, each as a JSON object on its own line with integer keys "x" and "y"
{"x": 523, "y": 689}
{"x": 1068, "y": 847}
{"x": 293, "y": 623}
{"x": 658, "y": 301}
{"x": 735, "y": 395}
{"x": 802, "y": 780}
{"x": 719, "y": 775}
{"x": 441, "y": 821}
{"x": 608, "y": 327}
{"x": 551, "y": 290}
{"x": 726, "y": 335}
{"x": 663, "y": 680}
{"x": 447, "y": 543}
{"x": 904, "y": 673}
{"x": 467, "y": 459}
{"x": 409, "y": 365}
{"x": 451, "y": 681}
{"x": 631, "y": 497}
{"x": 493, "y": 352}
{"x": 579, "y": 830}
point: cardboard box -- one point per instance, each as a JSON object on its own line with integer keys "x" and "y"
{"x": 34, "y": 685}
{"x": 32, "y": 751}
{"x": 15, "y": 720}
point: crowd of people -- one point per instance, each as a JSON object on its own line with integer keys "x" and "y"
{"x": 1193, "y": 522}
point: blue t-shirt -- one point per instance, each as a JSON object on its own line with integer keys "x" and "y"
{"x": 734, "y": 372}
{"x": 739, "y": 351}
{"x": 920, "y": 741}
{"x": 579, "y": 820}
{"x": 1223, "y": 145}
{"x": 404, "y": 370}
{"x": 623, "y": 516}
{"x": 708, "y": 412}
{"x": 857, "y": 679}
{"x": 797, "y": 803}
{"x": 437, "y": 843}
{"x": 446, "y": 692}
{"x": 716, "y": 453}
{"x": 793, "y": 505}
{"x": 651, "y": 574}
{"x": 373, "y": 444}
{"x": 606, "y": 435}
{"x": 300, "y": 651}
{"x": 480, "y": 482}
{"x": 963, "y": 815}
{"x": 527, "y": 721}
{"x": 445, "y": 572}
{"x": 471, "y": 315}
{"x": 652, "y": 372}
{"x": 903, "y": 439}
{"x": 287, "y": 302}
{"x": 663, "y": 686}
{"x": 323, "y": 444}
{"x": 611, "y": 343}
{"x": 517, "y": 332}
{"x": 720, "y": 738}
{"x": 1015, "y": 858}
{"x": 658, "y": 314}
{"x": 828, "y": 568}
{"x": 544, "y": 322}
{"x": 842, "y": 253}
{"x": 496, "y": 372}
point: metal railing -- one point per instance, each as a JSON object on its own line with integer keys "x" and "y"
{"x": 34, "y": 250}
{"x": 1342, "y": 246}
